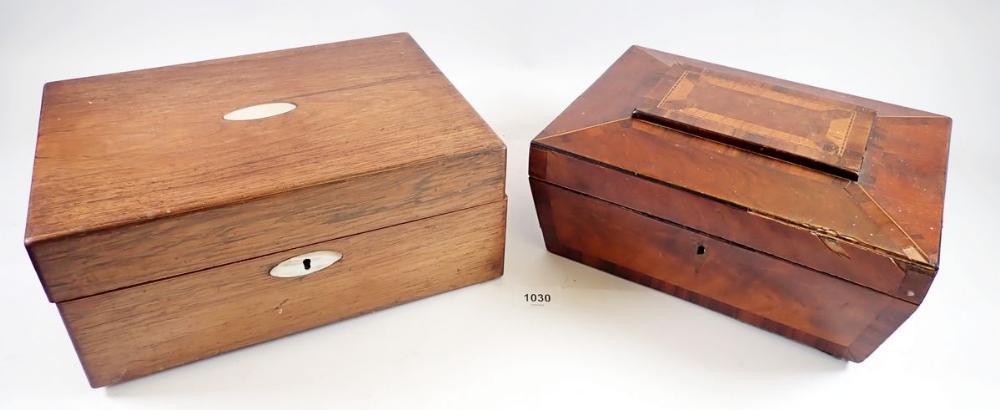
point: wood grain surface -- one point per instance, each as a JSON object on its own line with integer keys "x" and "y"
{"x": 129, "y": 147}
{"x": 815, "y": 183}
{"x": 794, "y": 194}
{"x": 138, "y": 177}
{"x": 811, "y": 307}
{"x": 78, "y": 266}
{"x": 897, "y": 150}
{"x": 712, "y": 218}
{"x": 132, "y": 332}
{"x": 154, "y": 222}
{"x": 906, "y": 175}
{"x": 799, "y": 127}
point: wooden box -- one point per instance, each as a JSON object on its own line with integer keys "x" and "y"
{"x": 809, "y": 213}
{"x": 168, "y": 226}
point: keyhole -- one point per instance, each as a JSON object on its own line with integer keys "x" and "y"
{"x": 700, "y": 250}
{"x": 305, "y": 264}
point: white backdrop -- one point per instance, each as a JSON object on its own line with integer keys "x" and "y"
{"x": 602, "y": 342}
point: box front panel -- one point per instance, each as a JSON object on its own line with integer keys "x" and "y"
{"x": 132, "y": 332}
{"x": 831, "y": 314}
{"x": 699, "y": 213}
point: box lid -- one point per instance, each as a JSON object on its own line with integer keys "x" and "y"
{"x": 372, "y": 121}
{"x": 858, "y": 174}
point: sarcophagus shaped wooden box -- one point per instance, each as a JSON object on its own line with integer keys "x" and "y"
{"x": 809, "y": 213}
{"x": 181, "y": 212}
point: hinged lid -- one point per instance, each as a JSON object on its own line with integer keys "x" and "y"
{"x": 149, "y": 174}
{"x": 808, "y": 129}
{"x": 841, "y": 184}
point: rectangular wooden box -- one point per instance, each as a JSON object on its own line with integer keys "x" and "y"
{"x": 159, "y": 213}
{"x": 809, "y": 213}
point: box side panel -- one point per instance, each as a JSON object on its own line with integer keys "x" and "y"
{"x": 905, "y": 172}
{"x": 833, "y": 315}
{"x": 78, "y": 266}
{"x": 129, "y": 333}
{"x": 732, "y": 224}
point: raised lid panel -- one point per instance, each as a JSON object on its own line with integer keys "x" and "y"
{"x": 811, "y": 130}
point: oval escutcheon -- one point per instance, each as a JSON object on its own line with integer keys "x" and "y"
{"x": 305, "y": 264}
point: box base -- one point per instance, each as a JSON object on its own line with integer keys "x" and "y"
{"x": 833, "y": 315}
{"x": 128, "y": 333}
